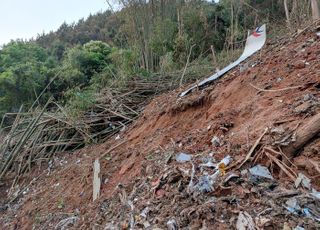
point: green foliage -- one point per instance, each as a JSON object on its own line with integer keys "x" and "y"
{"x": 167, "y": 63}
{"x": 78, "y": 101}
{"x": 17, "y": 52}
{"x": 72, "y": 77}
{"x": 125, "y": 61}
{"x": 90, "y": 58}
{"x": 101, "y": 80}
{"x": 26, "y": 69}
{"x": 98, "y": 27}
{"x": 23, "y": 73}
{"x": 81, "y": 63}
{"x": 196, "y": 26}
{"x": 58, "y": 49}
{"x": 162, "y": 39}
{"x": 144, "y": 38}
{"x": 180, "y": 54}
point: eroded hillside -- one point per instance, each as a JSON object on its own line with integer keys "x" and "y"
{"x": 255, "y": 112}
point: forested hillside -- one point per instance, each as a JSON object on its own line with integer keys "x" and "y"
{"x": 141, "y": 39}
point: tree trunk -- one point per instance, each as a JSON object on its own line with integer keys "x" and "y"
{"x": 214, "y": 59}
{"x": 179, "y": 23}
{"x": 232, "y": 27}
{"x": 315, "y": 10}
{"x": 287, "y": 13}
{"x": 303, "y": 135}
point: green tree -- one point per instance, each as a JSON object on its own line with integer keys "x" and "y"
{"x": 23, "y": 74}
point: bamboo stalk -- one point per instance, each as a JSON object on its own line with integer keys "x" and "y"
{"x": 21, "y": 142}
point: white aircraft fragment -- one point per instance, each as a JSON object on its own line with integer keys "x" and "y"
{"x": 253, "y": 44}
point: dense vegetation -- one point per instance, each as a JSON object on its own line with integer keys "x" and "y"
{"x": 143, "y": 38}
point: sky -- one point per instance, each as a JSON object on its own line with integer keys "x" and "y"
{"x": 27, "y": 18}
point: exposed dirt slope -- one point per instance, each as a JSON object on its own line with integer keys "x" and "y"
{"x": 280, "y": 90}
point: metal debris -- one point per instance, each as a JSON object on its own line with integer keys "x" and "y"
{"x": 204, "y": 184}
{"x": 145, "y": 212}
{"x": 315, "y": 194}
{"x": 302, "y": 179}
{"x": 172, "y": 224}
{"x": 183, "y": 157}
{"x": 277, "y": 130}
{"x": 225, "y": 161}
{"x": 253, "y": 44}
{"x": 298, "y": 228}
{"x": 260, "y": 171}
{"x": 245, "y": 222}
{"x": 65, "y": 223}
{"x": 209, "y": 164}
{"x": 293, "y": 203}
{"x": 223, "y": 164}
{"x": 293, "y": 206}
{"x": 216, "y": 141}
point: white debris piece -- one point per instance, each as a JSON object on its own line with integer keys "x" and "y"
{"x": 293, "y": 203}
{"x": 145, "y": 212}
{"x": 315, "y": 194}
{"x": 253, "y": 44}
{"x": 172, "y": 224}
{"x": 225, "y": 161}
{"x": 65, "y": 223}
{"x": 209, "y": 164}
{"x": 96, "y": 179}
{"x": 245, "y": 222}
{"x": 216, "y": 141}
{"x": 260, "y": 171}
{"x": 183, "y": 157}
{"x": 302, "y": 179}
{"x": 298, "y": 228}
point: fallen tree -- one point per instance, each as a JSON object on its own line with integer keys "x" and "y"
{"x": 304, "y": 135}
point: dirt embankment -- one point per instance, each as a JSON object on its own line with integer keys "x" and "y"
{"x": 142, "y": 183}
